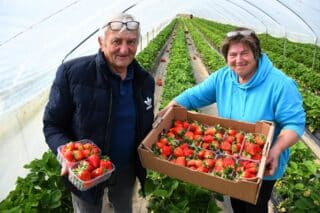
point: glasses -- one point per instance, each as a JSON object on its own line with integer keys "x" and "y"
{"x": 242, "y": 32}
{"x": 117, "y": 25}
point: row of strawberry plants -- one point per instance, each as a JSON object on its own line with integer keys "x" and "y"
{"x": 301, "y": 53}
{"x": 311, "y": 100}
{"x": 298, "y": 190}
{"x": 302, "y": 171}
{"x": 147, "y": 57}
{"x": 211, "y": 57}
{"x": 166, "y": 194}
{"x": 42, "y": 190}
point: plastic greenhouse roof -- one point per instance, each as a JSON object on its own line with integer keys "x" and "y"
{"x": 38, "y": 34}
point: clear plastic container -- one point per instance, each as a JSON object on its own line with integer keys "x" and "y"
{"x": 85, "y": 185}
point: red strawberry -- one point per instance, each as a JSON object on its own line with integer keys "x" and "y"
{"x": 228, "y": 162}
{"x": 84, "y": 175}
{"x": 231, "y": 132}
{"x": 188, "y": 136}
{"x": 159, "y": 82}
{"x": 178, "y": 152}
{"x": 181, "y": 161}
{"x": 253, "y": 149}
{"x": 239, "y": 137}
{"x": 166, "y": 151}
{"x": 207, "y": 138}
{"x": 106, "y": 163}
{"x": 78, "y": 155}
{"x": 226, "y": 146}
{"x": 210, "y": 131}
{"x": 94, "y": 160}
{"x": 68, "y": 155}
{"x": 97, "y": 172}
{"x": 209, "y": 162}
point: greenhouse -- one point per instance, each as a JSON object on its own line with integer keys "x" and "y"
{"x": 181, "y": 45}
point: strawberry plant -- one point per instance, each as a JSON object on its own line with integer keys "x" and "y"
{"x": 42, "y": 190}
{"x": 298, "y": 190}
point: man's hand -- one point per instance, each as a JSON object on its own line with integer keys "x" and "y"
{"x": 64, "y": 169}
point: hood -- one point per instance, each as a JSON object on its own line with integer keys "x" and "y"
{"x": 264, "y": 67}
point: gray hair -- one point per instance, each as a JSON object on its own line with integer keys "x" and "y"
{"x": 123, "y": 17}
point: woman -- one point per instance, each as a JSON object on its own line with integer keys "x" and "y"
{"x": 250, "y": 89}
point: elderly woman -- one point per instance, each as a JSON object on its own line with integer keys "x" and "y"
{"x": 250, "y": 89}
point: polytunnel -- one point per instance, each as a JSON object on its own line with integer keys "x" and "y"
{"x": 37, "y": 36}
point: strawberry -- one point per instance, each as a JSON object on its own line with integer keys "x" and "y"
{"x": 95, "y": 150}
{"x": 209, "y": 162}
{"x": 166, "y": 151}
{"x": 94, "y": 160}
{"x": 215, "y": 145}
{"x": 78, "y": 146}
{"x": 181, "y": 161}
{"x": 231, "y": 132}
{"x": 163, "y": 60}
{"x": 253, "y": 149}
{"x": 178, "y": 130}
{"x": 186, "y": 124}
{"x": 78, "y": 155}
{"x": 105, "y": 163}
{"x": 239, "y": 137}
{"x": 202, "y": 169}
{"x": 87, "y": 146}
{"x": 178, "y": 152}
{"x": 260, "y": 140}
{"x": 188, "y": 136}
{"x": 84, "y": 175}
{"x": 68, "y": 155}
{"x": 226, "y": 146}
{"x": 178, "y": 123}
{"x": 97, "y": 172}
{"x": 69, "y": 146}
{"x": 208, "y": 154}
{"x": 210, "y": 131}
{"x": 228, "y": 162}
{"x": 207, "y": 138}
{"x": 159, "y": 82}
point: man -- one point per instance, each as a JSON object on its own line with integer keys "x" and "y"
{"x": 107, "y": 98}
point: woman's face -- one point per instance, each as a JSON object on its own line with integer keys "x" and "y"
{"x": 241, "y": 60}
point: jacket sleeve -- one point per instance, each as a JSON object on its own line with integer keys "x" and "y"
{"x": 289, "y": 112}
{"x": 58, "y": 112}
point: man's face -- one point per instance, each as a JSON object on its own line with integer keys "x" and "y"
{"x": 119, "y": 48}
{"x": 241, "y": 60}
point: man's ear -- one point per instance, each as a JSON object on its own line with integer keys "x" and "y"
{"x": 100, "y": 42}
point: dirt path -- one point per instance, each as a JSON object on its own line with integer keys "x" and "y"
{"x": 200, "y": 71}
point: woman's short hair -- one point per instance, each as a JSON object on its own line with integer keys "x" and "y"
{"x": 244, "y": 36}
{"x": 121, "y": 17}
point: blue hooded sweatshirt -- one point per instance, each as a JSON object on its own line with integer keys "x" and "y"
{"x": 268, "y": 95}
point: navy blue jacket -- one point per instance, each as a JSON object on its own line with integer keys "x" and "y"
{"x": 80, "y": 107}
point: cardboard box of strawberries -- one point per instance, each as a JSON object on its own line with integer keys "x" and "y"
{"x": 222, "y": 155}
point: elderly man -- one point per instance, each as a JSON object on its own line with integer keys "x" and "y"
{"x": 107, "y": 98}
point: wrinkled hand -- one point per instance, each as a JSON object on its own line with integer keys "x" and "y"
{"x": 272, "y": 162}
{"x": 64, "y": 169}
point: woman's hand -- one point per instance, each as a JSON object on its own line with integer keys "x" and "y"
{"x": 162, "y": 112}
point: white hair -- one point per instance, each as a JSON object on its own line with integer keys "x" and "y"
{"x": 123, "y": 17}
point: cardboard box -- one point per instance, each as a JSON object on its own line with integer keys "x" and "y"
{"x": 245, "y": 190}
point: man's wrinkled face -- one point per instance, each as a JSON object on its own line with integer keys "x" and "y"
{"x": 119, "y": 48}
